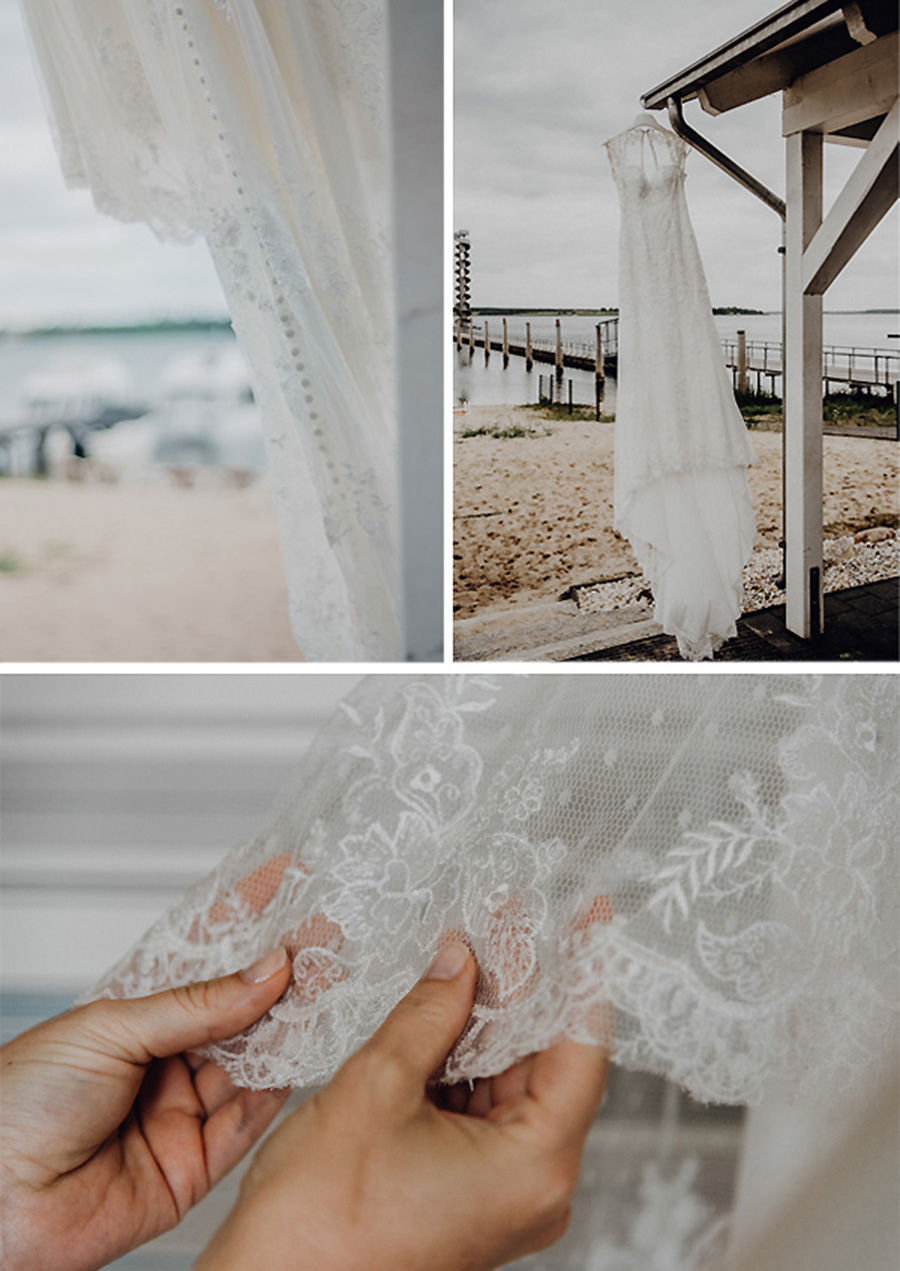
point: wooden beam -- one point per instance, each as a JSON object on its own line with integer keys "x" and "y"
{"x": 869, "y": 194}
{"x": 786, "y": 23}
{"x": 803, "y": 392}
{"x": 773, "y": 72}
{"x": 845, "y": 92}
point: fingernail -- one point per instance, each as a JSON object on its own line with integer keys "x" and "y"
{"x": 448, "y": 963}
{"x": 265, "y": 967}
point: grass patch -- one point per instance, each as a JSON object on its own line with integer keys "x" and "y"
{"x": 505, "y": 434}
{"x": 854, "y": 410}
{"x": 559, "y": 410}
{"x": 859, "y": 410}
{"x": 9, "y": 563}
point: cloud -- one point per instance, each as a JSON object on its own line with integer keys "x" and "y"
{"x": 60, "y": 259}
{"x": 538, "y": 88}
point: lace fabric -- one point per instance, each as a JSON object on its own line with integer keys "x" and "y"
{"x": 681, "y": 491}
{"x": 262, "y": 126}
{"x": 696, "y": 872}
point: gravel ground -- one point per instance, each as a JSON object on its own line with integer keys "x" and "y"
{"x": 847, "y": 564}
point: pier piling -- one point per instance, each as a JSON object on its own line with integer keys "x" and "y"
{"x": 742, "y": 361}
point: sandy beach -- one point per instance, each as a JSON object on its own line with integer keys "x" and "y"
{"x": 533, "y": 515}
{"x": 140, "y": 572}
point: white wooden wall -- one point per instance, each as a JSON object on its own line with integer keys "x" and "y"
{"x": 118, "y": 791}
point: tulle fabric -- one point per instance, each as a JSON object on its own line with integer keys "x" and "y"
{"x": 698, "y": 872}
{"x": 711, "y": 856}
{"x": 681, "y": 491}
{"x": 262, "y": 125}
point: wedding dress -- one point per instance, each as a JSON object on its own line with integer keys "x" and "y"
{"x": 699, "y": 873}
{"x": 261, "y": 125}
{"x": 681, "y": 493}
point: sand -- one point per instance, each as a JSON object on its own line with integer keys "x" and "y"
{"x": 141, "y": 573}
{"x": 533, "y": 515}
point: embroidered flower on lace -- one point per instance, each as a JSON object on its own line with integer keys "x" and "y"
{"x": 754, "y": 939}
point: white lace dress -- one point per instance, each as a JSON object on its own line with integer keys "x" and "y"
{"x": 681, "y": 493}
{"x": 714, "y": 856}
{"x": 263, "y": 126}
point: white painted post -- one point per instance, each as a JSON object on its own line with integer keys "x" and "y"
{"x": 803, "y": 391}
{"x": 416, "y": 55}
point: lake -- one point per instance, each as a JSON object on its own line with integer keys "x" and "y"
{"x": 194, "y": 383}
{"x": 494, "y": 386}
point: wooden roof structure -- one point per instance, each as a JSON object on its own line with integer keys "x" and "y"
{"x": 836, "y": 66}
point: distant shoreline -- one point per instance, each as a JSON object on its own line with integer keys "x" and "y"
{"x": 498, "y": 311}
{"x": 184, "y": 326}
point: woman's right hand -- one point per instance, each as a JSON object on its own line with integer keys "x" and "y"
{"x": 375, "y": 1174}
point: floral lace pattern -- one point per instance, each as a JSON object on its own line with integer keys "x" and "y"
{"x": 261, "y": 126}
{"x": 697, "y": 873}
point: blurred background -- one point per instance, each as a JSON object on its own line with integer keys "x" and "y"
{"x": 117, "y": 792}
{"x": 131, "y": 450}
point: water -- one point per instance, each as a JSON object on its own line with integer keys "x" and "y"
{"x": 491, "y": 385}
{"x": 217, "y": 429}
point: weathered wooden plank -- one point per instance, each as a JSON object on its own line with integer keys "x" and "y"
{"x": 856, "y": 87}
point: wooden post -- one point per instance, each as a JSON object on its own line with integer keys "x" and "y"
{"x": 505, "y": 345}
{"x": 803, "y": 392}
{"x": 570, "y": 397}
{"x": 487, "y": 342}
{"x": 742, "y": 361}
{"x": 559, "y": 352}
{"x": 529, "y": 359}
{"x": 472, "y": 337}
{"x": 459, "y": 333}
{"x": 599, "y": 373}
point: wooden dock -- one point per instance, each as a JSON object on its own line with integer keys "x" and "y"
{"x": 755, "y": 364}
{"x": 759, "y": 364}
{"x": 600, "y": 355}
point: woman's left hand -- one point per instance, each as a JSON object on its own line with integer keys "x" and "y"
{"x": 111, "y": 1129}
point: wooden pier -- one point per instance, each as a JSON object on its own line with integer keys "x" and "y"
{"x": 559, "y": 352}
{"x": 755, "y": 364}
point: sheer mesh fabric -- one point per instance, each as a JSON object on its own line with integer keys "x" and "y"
{"x": 698, "y": 873}
{"x": 261, "y": 125}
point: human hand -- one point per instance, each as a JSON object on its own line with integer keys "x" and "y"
{"x": 111, "y": 1129}
{"x": 375, "y": 1173}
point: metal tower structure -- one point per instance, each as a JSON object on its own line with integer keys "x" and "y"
{"x": 462, "y": 308}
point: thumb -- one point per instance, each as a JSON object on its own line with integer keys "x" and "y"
{"x": 416, "y": 1037}
{"x": 139, "y": 1029}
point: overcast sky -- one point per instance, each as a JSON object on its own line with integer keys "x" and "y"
{"x": 540, "y": 86}
{"x": 60, "y": 259}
